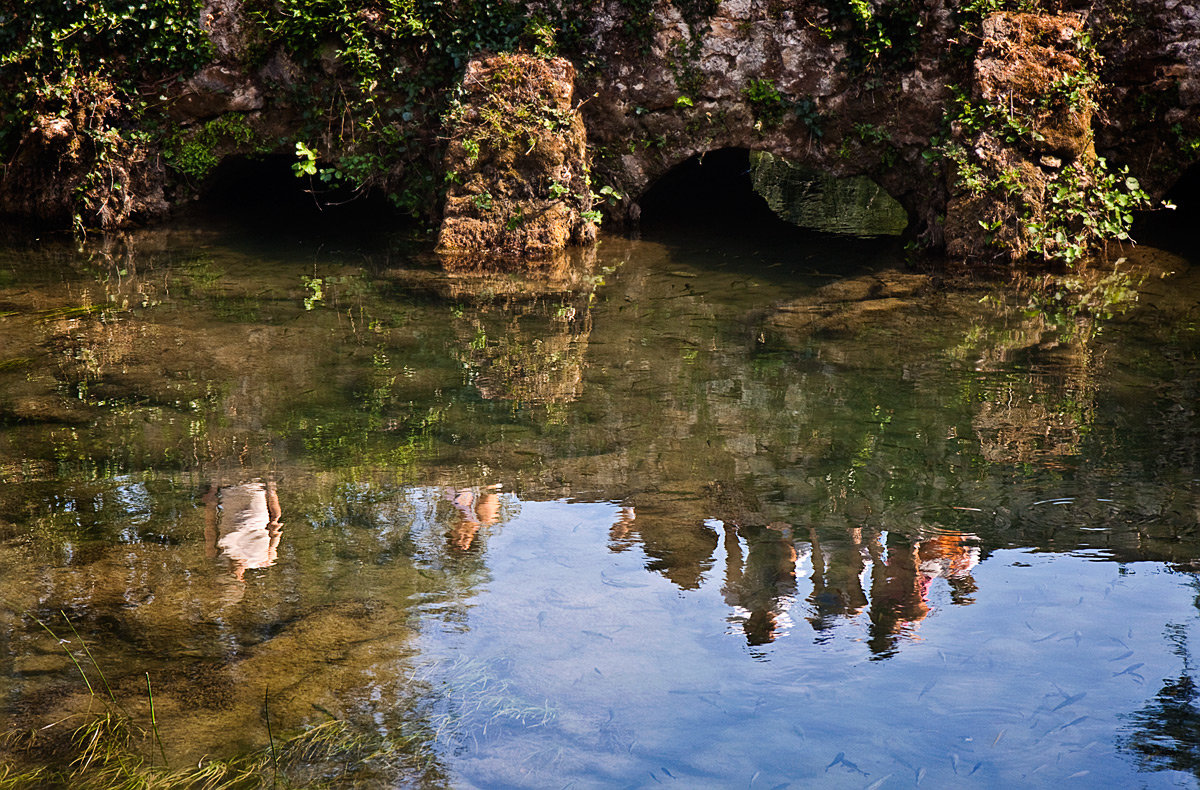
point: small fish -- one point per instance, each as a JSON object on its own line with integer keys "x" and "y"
{"x": 1129, "y": 670}
{"x": 597, "y": 633}
{"x": 668, "y": 773}
{"x": 1069, "y": 701}
{"x": 954, "y": 762}
{"x": 1123, "y": 656}
{"x": 999, "y": 735}
{"x": 921, "y": 775}
{"x": 1078, "y": 774}
{"x": 1044, "y": 638}
{"x": 878, "y": 783}
{"x": 841, "y": 759}
{"x": 1070, "y": 724}
{"x": 782, "y": 786}
{"x": 976, "y": 768}
{"x": 928, "y": 687}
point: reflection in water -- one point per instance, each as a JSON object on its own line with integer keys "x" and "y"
{"x": 475, "y": 509}
{"x": 837, "y": 579}
{"x": 1165, "y": 734}
{"x": 242, "y": 526}
{"x": 689, "y": 455}
{"x": 762, "y": 584}
{"x": 525, "y": 339}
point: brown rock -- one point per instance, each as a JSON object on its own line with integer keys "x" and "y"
{"x": 518, "y": 155}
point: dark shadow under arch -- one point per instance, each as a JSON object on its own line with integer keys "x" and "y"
{"x": 265, "y": 191}
{"x": 711, "y": 191}
{"x": 734, "y": 191}
{"x": 1174, "y": 230}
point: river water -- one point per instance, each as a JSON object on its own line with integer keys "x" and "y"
{"x": 688, "y": 511}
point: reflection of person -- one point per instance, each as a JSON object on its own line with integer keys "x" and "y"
{"x": 620, "y": 535}
{"x": 900, "y": 583}
{"x": 475, "y": 509}
{"x": 837, "y": 580}
{"x": 950, "y": 556}
{"x": 241, "y": 525}
{"x": 764, "y": 581}
{"x": 897, "y": 593}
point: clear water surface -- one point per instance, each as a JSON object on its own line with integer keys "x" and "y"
{"x": 685, "y": 511}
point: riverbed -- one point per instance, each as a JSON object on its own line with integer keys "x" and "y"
{"x": 690, "y": 510}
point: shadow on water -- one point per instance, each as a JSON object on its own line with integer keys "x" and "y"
{"x": 706, "y": 208}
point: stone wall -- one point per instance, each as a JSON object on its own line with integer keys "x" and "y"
{"x": 894, "y": 91}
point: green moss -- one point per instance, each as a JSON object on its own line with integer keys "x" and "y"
{"x": 194, "y": 152}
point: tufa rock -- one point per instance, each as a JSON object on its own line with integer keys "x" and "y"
{"x": 517, "y": 161}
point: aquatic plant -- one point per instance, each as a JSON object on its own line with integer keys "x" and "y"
{"x": 104, "y": 751}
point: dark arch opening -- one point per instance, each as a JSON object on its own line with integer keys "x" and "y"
{"x": 266, "y": 193}
{"x": 735, "y": 191}
{"x": 712, "y": 191}
{"x": 1173, "y": 229}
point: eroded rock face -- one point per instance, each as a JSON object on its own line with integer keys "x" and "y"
{"x": 75, "y": 166}
{"x": 518, "y": 155}
{"x": 873, "y": 89}
{"x": 1031, "y": 68}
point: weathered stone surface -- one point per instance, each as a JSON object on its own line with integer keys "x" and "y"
{"x": 519, "y": 154}
{"x": 74, "y": 166}
{"x": 805, "y": 80}
{"x": 1023, "y": 60}
{"x": 216, "y": 90}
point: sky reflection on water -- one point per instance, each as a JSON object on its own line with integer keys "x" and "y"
{"x": 681, "y": 513}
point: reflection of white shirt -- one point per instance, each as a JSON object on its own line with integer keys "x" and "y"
{"x": 951, "y": 567}
{"x": 243, "y": 531}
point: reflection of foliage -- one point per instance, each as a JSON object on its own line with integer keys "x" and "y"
{"x": 1166, "y": 733}
{"x": 523, "y": 363}
{"x": 1077, "y": 302}
{"x": 1036, "y": 396}
{"x": 1168, "y": 729}
{"x": 367, "y": 439}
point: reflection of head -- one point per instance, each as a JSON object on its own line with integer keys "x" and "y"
{"x": 242, "y": 526}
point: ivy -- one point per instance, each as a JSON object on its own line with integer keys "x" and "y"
{"x": 195, "y": 153}
{"x": 123, "y": 43}
{"x": 1086, "y": 206}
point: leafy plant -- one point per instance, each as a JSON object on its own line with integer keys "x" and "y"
{"x": 194, "y": 153}
{"x": 766, "y": 102}
{"x": 1086, "y": 206}
{"x": 307, "y": 164}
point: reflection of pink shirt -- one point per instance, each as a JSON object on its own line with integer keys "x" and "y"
{"x": 244, "y": 538}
